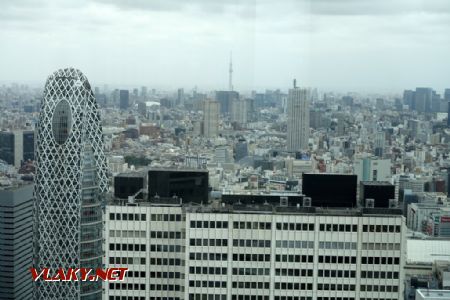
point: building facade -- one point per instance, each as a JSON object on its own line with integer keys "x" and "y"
{"x": 16, "y": 235}
{"x": 210, "y": 118}
{"x": 17, "y": 146}
{"x": 176, "y": 252}
{"x": 298, "y": 119}
{"x": 69, "y": 185}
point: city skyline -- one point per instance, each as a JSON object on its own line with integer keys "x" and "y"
{"x": 342, "y": 45}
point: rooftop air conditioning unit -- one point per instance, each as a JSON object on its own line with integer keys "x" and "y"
{"x": 370, "y": 203}
{"x": 393, "y": 203}
{"x": 307, "y": 202}
{"x": 284, "y": 201}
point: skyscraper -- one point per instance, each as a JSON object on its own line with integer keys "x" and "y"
{"x": 298, "y": 119}
{"x": 225, "y": 99}
{"x": 69, "y": 185}
{"x": 422, "y": 99}
{"x": 124, "y": 96}
{"x": 210, "y": 118}
{"x": 16, "y": 232}
{"x": 17, "y": 146}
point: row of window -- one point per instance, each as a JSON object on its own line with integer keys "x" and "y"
{"x": 206, "y": 284}
{"x": 380, "y": 260}
{"x": 293, "y": 286}
{"x": 335, "y": 287}
{"x": 337, "y": 298}
{"x": 208, "y": 297}
{"x": 166, "y": 235}
{"x": 252, "y": 225}
{"x": 166, "y": 217}
{"x": 338, "y": 227}
{"x": 379, "y": 288}
{"x": 380, "y": 246}
{"x": 209, "y": 224}
{"x": 293, "y": 298}
{"x": 127, "y": 260}
{"x": 379, "y": 274}
{"x": 295, "y": 244}
{"x": 208, "y": 270}
{"x": 295, "y": 226}
{"x": 249, "y": 297}
{"x": 338, "y": 245}
{"x": 293, "y": 272}
{"x": 337, "y": 273}
{"x": 251, "y": 271}
{"x": 127, "y": 217}
{"x": 126, "y": 298}
{"x": 378, "y": 298}
{"x": 381, "y": 228}
{"x": 208, "y": 256}
{"x": 127, "y": 247}
{"x": 166, "y": 248}
{"x": 165, "y": 287}
{"x": 128, "y": 233}
{"x": 250, "y": 285}
{"x": 337, "y": 259}
{"x": 251, "y": 243}
{"x": 127, "y": 286}
{"x": 166, "y": 275}
{"x": 294, "y": 258}
{"x": 251, "y": 257}
{"x": 166, "y": 261}
{"x": 209, "y": 242}
{"x": 136, "y": 274}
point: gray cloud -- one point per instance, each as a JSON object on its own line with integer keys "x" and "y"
{"x": 325, "y": 43}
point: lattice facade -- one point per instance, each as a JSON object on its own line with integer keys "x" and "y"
{"x": 69, "y": 185}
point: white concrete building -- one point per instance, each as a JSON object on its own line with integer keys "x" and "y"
{"x": 372, "y": 169}
{"x": 298, "y": 119}
{"x": 424, "y": 294}
{"x": 210, "y": 118}
{"x": 284, "y": 253}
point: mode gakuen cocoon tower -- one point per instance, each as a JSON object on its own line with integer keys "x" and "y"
{"x": 70, "y": 184}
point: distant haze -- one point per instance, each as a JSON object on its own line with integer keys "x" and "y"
{"x": 359, "y": 45}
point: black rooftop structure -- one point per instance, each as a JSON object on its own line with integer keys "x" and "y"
{"x": 330, "y": 190}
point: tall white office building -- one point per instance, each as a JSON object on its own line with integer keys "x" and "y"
{"x": 210, "y": 118}
{"x": 200, "y": 252}
{"x": 298, "y": 119}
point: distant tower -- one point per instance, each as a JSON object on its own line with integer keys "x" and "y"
{"x": 70, "y": 183}
{"x": 230, "y": 75}
{"x": 298, "y": 119}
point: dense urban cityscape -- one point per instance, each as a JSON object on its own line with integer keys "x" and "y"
{"x": 297, "y": 194}
{"x": 224, "y": 150}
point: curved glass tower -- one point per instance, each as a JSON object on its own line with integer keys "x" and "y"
{"x": 70, "y": 184}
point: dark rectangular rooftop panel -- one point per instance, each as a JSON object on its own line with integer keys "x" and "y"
{"x": 330, "y": 190}
{"x": 128, "y": 184}
{"x": 380, "y": 191}
{"x": 190, "y": 185}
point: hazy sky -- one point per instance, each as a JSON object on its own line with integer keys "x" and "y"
{"x": 384, "y": 45}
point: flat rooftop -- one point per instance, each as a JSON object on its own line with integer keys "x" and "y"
{"x": 376, "y": 183}
{"x": 434, "y": 294}
{"x": 237, "y": 208}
